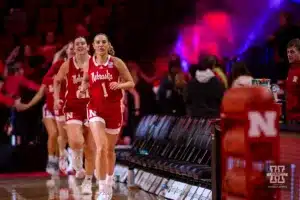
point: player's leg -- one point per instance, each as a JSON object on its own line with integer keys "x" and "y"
{"x": 62, "y": 143}
{"x": 76, "y": 143}
{"x": 111, "y": 155}
{"x": 113, "y": 120}
{"x": 89, "y": 154}
{"x": 98, "y": 130}
{"x": 52, "y": 165}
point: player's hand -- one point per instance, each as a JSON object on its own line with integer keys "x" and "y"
{"x": 57, "y": 104}
{"x": 19, "y": 106}
{"x": 114, "y": 86}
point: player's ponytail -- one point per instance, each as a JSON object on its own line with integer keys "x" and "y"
{"x": 111, "y": 50}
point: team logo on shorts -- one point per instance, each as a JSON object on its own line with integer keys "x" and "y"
{"x": 69, "y": 115}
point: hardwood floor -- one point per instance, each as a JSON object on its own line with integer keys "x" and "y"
{"x": 40, "y": 188}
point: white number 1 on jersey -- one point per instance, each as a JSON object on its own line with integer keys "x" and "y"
{"x": 104, "y": 90}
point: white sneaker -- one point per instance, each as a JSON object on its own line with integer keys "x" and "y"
{"x": 106, "y": 194}
{"x": 73, "y": 185}
{"x": 80, "y": 174}
{"x": 86, "y": 187}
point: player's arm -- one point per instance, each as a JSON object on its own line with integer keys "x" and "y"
{"x": 125, "y": 75}
{"x": 58, "y": 54}
{"x": 63, "y": 71}
{"x": 85, "y": 80}
{"x": 136, "y": 99}
{"x": 37, "y": 98}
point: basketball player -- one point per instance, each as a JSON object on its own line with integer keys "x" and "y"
{"x": 104, "y": 108}
{"x": 60, "y": 57}
{"x": 53, "y": 119}
{"x": 75, "y": 112}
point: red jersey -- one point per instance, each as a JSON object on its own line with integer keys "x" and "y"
{"x": 74, "y": 77}
{"x": 53, "y": 71}
{"x": 100, "y": 77}
{"x": 293, "y": 92}
{"x": 49, "y": 93}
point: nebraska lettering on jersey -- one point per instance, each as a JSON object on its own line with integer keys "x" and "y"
{"x": 77, "y": 79}
{"x": 100, "y": 77}
{"x": 96, "y": 76}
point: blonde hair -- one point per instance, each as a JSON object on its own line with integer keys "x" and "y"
{"x": 111, "y": 50}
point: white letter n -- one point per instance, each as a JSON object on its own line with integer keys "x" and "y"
{"x": 262, "y": 124}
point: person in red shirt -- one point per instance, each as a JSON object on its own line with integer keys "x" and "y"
{"x": 15, "y": 80}
{"x": 102, "y": 77}
{"x": 293, "y": 81}
{"x": 7, "y": 100}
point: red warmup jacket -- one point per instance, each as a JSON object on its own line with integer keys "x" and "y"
{"x": 7, "y": 101}
{"x": 293, "y": 92}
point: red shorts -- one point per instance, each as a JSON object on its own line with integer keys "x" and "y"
{"x": 47, "y": 113}
{"x": 111, "y": 115}
{"x": 75, "y": 114}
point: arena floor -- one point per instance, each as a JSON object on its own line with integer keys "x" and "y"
{"x": 36, "y": 188}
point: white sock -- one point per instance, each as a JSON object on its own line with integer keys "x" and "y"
{"x": 77, "y": 159}
{"x": 101, "y": 185}
{"x": 51, "y": 158}
{"x": 109, "y": 179}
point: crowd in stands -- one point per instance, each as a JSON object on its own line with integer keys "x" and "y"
{"x": 197, "y": 93}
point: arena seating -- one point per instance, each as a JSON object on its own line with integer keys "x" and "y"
{"x": 178, "y": 149}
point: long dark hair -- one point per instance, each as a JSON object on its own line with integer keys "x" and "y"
{"x": 238, "y": 69}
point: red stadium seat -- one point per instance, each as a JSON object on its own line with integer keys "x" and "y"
{"x": 64, "y": 3}
{"x": 99, "y": 18}
{"x": 48, "y": 15}
{"x": 87, "y": 2}
{"x": 71, "y": 15}
{"x": 46, "y": 27}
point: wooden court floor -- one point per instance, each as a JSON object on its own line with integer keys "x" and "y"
{"x": 38, "y": 188}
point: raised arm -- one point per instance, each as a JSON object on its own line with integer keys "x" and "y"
{"x": 62, "y": 73}
{"x": 125, "y": 75}
{"x": 58, "y": 54}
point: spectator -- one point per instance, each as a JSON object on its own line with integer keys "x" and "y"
{"x": 14, "y": 82}
{"x": 211, "y": 62}
{"x": 203, "y": 93}
{"x": 240, "y": 76}
{"x": 170, "y": 97}
{"x": 293, "y": 82}
{"x": 84, "y": 28}
{"x": 143, "y": 86}
{"x": 286, "y": 32}
{"x": 48, "y": 49}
